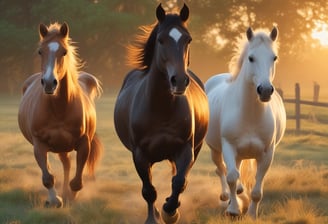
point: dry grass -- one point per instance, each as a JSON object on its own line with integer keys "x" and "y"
{"x": 295, "y": 190}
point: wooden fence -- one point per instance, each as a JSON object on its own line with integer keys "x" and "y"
{"x": 298, "y": 102}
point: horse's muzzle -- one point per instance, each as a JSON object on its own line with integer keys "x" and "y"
{"x": 49, "y": 86}
{"x": 179, "y": 84}
{"x": 265, "y": 92}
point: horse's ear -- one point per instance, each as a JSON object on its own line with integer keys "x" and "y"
{"x": 184, "y": 13}
{"x": 249, "y": 33}
{"x": 43, "y": 30}
{"x": 64, "y": 30}
{"x": 160, "y": 13}
{"x": 274, "y": 33}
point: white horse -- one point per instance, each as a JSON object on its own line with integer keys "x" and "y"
{"x": 247, "y": 118}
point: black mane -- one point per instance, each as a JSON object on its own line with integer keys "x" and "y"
{"x": 141, "y": 52}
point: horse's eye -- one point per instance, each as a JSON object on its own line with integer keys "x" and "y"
{"x": 65, "y": 52}
{"x": 251, "y": 59}
{"x": 39, "y": 52}
{"x": 275, "y": 58}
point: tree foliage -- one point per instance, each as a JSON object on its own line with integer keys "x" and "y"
{"x": 102, "y": 29}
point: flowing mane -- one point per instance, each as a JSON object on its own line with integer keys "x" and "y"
{"x": 141, "y": 52}
{"x": 72, "y": 63}
{"x": 243, "y": 45}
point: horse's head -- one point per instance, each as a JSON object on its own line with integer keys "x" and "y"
{"x": 172, "y": 48}
{"x": 260, "y": 59}
{"x": 53, "y": 48}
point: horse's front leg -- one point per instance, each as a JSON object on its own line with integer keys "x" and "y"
{"x": 229, "y": 155}
{"x": 143, "y": 167}
{"x": 263, "y": 165}
{"x": 64, "y": 158}
{"x": 82, "y": 154}
{"x": 183, "y": 164}
{"x": 48, "y": 180}
{"x": 221, "y": 172}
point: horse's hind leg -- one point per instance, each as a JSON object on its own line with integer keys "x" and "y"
{"x": 82, "y": 153}
{"x": 64, "y": 158}
{"x": 48, "y": 180}
{"x": 183, "y": 164}
{"x": 240, "y": 187}
{"x": 143, "y": 167}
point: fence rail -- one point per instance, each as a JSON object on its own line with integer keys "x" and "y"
{"x": 298, "y": 102}
{"x": 306, "y": 102}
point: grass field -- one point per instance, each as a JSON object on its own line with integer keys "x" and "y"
{"x": 295, "y": 190}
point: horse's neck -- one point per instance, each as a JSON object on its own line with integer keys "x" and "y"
{"x": 65, "y": 94}
{"x": 158, "y": 88}
{"x": 245, "y": 91}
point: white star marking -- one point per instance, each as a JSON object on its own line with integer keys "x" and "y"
{"x": 53, "y": 46}
{"x": 175, "y": 34}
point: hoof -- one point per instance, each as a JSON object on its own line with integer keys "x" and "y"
{"x": 232, "y": 211}
{"x": 233, "y": 215}
{"x": 155, "y": 219}
{"x": 170, "y": 218}
{"x": 57, "y": 203}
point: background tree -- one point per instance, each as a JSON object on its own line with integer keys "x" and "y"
{"x": 102, "y": 29}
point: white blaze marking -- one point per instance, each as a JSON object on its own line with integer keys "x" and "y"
{"x": 175, "y": 34}
{"x": 48, "y": 73}
{"x": 53, "y": 46}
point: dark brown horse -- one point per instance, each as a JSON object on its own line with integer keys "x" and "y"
{"x": 161, "y": 112}
{"x": 57, "y": 112}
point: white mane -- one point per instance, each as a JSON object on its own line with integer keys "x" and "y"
{"x": 242, "y": 46}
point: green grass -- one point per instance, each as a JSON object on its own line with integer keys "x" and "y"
{"x": 295, "y": 190}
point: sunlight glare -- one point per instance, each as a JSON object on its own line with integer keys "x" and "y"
{"x": 320, "y": 33}
{"x": 213, "y": 38}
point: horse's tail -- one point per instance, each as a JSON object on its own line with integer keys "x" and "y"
{"x": 95, "y": 154}
{"x": 247, "y": 174}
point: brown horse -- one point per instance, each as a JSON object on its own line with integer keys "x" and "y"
{"x": 57, "y": 112}
{"x": 161, "y": 112}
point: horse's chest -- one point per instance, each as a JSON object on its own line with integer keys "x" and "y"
{"x": 250, "y": 145}
{"x": 250, "y": 137}
{"x": 59, "y": 135}
{"x": 163, "y": 137}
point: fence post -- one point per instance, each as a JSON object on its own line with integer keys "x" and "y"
{"x": 316, "y": 90}
{"x": 298, "y": 108}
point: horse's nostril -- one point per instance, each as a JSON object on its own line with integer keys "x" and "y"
{"x": 187, "y": 81}
{"x": 42, "y": 82}
{"x": 173, "y": 81}
{"x": 272, "y": 89}
{"x": 55, "y": 82}
{"x": 259, "y": 90}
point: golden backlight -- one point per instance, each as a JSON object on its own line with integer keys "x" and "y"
{"x": 320, "y": 33}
